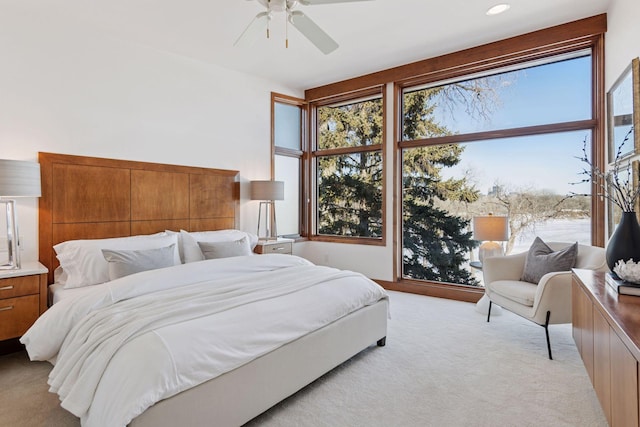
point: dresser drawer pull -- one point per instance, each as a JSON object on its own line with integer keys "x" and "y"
{"x": 278, "y": 248}
{"x": 6, "y": 288}
{"x": 6, "y": 308}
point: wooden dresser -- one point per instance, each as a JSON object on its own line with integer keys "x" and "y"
{"x": 23, "y": 298}
{"x": 606, "y": 329}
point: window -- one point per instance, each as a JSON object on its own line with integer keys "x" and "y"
{"x": 288, "y": 118}
{"x": 449, "y": 143}
{"x": 348, "y": 163}
{"x": 504, "y": 143}
{"x": 533, "y": 94}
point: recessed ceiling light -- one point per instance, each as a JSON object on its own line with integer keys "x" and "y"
{"x": 499, "y": 8}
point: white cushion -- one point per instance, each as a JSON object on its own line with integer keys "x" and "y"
{"x": 84, "y": 265}
{"x": 521, "y": 292}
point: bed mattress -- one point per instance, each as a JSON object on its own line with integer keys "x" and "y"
{"x": 135, "y": 341}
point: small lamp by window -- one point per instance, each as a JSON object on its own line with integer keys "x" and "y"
{"x": 267, "y": 192}
{"x": 490, "y": 229}
{"x": 17, "y": 179}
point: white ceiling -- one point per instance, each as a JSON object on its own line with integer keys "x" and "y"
{"x": 373, "y": 35}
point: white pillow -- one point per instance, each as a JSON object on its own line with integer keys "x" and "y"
{"x": 213, "y": 250}
{"x": 59, "y": 276}
{"x": 179, "y": 237}
{"x": 124, "y": 263}
{"x": 191, "y": 251}
{"x": 84, "y": 264}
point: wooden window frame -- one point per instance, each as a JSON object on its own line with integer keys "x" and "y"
{"x": 302, "y": 155}
{"x": 355, "y": 96}
{"x": 592, "y": 43}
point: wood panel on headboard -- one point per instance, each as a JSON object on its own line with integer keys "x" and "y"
{"x": 95, "y": 198}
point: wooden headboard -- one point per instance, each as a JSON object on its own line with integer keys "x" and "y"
{"x": 95, "y": 198}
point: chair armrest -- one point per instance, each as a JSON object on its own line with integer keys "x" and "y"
{"x": 554, "y": 295}
{"x": 591, "y": 258}
{"x": 508, "y": 267}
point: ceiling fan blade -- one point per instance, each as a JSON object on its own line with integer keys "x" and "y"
{"x": 250, "y": 33}
{"x": 315, "y": 2}
{"x": 310, "y": 30}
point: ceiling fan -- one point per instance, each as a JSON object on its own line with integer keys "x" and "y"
{"x": 304, "y": 24}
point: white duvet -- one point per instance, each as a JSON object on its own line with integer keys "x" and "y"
{"x": 142, "y": 338}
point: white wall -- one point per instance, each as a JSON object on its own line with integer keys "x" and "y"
{"x": 68, "y": 88}
{"x": 622, "y": 41}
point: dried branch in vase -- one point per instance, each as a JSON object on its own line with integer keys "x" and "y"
{"x": 611, "y": 186}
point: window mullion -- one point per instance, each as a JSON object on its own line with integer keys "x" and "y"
{"x": 347, "y": 150}
{"x": 502, "y": 133}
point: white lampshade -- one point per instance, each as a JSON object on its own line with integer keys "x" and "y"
{"x": 19, "y": 178}
{"x": 491, "y": 228}
{"x": 267, "y": 190}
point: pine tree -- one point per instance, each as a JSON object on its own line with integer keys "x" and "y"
{"x": 435, "y": 243}
{"x": 350, "y": 185}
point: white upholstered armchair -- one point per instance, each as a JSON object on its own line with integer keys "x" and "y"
{"x": 545, "y": 303}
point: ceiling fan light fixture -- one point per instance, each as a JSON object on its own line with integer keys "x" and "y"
{"x": 299, "y": 20}
{"x": 499, "y": 8}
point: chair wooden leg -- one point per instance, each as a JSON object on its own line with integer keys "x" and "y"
{"x": 489, "y": 311}
{"x": 546, "y": 330}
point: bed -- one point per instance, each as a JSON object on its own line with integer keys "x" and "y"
{"x": 145, "y": 198}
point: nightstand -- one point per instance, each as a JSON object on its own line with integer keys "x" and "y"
{"x": 280, "y": 246}
{"x": 23, "y": 298}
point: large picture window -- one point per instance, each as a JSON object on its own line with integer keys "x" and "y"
{"x": 503, "y": 143}
{"x": 494, "y": 128}
{"x": 349, "y": 168}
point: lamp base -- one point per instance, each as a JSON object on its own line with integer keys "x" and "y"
{"x": 269, "y": 220}
{"x": 13, "y": 247}
{"x": 489, "y": 249}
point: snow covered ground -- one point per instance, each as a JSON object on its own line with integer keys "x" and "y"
{"x": 557, "y": 230}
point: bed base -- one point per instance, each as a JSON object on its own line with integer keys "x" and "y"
{"x": 240, "y": 395}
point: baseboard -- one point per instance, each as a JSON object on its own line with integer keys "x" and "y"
{"x": 459, "y": 293}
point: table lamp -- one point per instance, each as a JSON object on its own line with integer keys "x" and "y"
{"x": 267, "y": 192}
{"x": 17, "y": 179}
{"x": 490, "y": 229}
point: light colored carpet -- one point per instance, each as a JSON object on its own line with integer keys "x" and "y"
{"x": 443, "y": 365}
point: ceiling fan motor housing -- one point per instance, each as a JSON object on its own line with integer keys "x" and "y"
{"x": 278, "y": 5}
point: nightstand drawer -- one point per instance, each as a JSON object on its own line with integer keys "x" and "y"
{"x": 18, "y": 286}
{"x": 17, "y": 315}
{"x": 275, "y": 248}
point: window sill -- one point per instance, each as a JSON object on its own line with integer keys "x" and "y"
{"x": 349, "y": 240}
{"x": 436, "y": 289}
